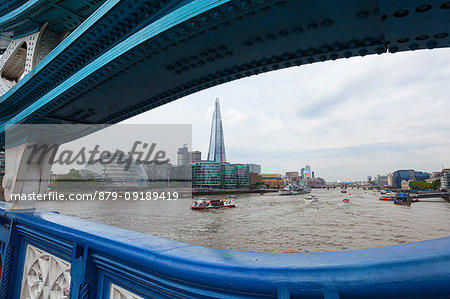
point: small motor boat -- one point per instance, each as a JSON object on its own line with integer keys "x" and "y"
{"x": 346, "y": 200}
{"x": 311, "y": 198}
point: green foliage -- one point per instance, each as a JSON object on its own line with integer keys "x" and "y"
{"x": 422, "y": 185}
{"x": 436, "y": 184}
{"x": 72, "y": 181}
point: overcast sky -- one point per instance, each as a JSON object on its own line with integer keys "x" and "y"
{"x": 348, "y": 119}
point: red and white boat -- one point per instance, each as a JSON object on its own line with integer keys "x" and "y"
{"x": 388, "y": 196}
{"x": 204, "y": 203}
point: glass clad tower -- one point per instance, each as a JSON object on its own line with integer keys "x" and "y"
{"x": 216, "y": 142}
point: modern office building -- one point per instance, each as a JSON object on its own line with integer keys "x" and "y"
{"x": 216, "y": 142}
{"x": 256, "y": 168}
{"x": 229, "y": 175}
{"x": 445, "y": 179}
{"x": 183, "y": 155}
{"x": 243, "y": 176}
{"x": 307, "y": 172}
{"x": 407, "y": 175}
{"x": 194, "y": 156}
{"x": 156, "y": 172}
{"x": 382, "y": 180}
{"x": 206, "y": 174}
{"x": 115, "y": 175}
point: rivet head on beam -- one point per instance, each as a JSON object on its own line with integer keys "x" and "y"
{"x": 393, "y": 49}
{"x": 403, "y": 40}
{"x": 422, "y": 37}
{"x": 445, "y": 5}
{"x": 423, "y": 8}
{"x": 297, "y": 30}
{"x": 347, "y": 54}
{"x": 327, "y": 23}
{"x": 245, "y": 4}
{"x": 312, "y": 26}
{"x": 379, "y": 50}
{"x": 401, "y": 13}
{"x": 441, "y": 35}
{"x": 362, "y": 15}
{"x": 231, "y": 9}
{"x": 206, "y": 19}
{"x": 431, "y": 44}
{"x": 271, "y": 37}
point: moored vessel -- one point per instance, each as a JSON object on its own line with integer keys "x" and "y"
{"x": 402, "y": 198}
{"x": 294, "y": 189}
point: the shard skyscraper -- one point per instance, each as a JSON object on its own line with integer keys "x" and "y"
{"x": 216, "y": 141}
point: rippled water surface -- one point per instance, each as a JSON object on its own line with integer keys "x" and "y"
{"x": 272, "y": 223}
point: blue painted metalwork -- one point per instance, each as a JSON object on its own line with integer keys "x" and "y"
{"x": 6, "y": 271}
{"x": 153, "y": 266}
{"x": 153, "y": 52}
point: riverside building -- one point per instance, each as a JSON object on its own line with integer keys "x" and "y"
{"x": 215, "y": 175}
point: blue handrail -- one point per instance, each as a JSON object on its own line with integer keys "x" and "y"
{"x": 152, "y": 266}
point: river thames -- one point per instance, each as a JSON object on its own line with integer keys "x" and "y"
{"x": 272, "y": 223}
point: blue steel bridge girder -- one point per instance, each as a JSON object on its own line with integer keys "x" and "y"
{"x": 25, "y": 17}
{"x": 107, "y": 72}
{"x": 134, "y": 55}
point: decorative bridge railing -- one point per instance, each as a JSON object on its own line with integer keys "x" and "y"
{"x": 103, "y": 61}
{"x": 48, "y": 255}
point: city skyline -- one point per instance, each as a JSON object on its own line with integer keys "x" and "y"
{"x": 365, "y": 116}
